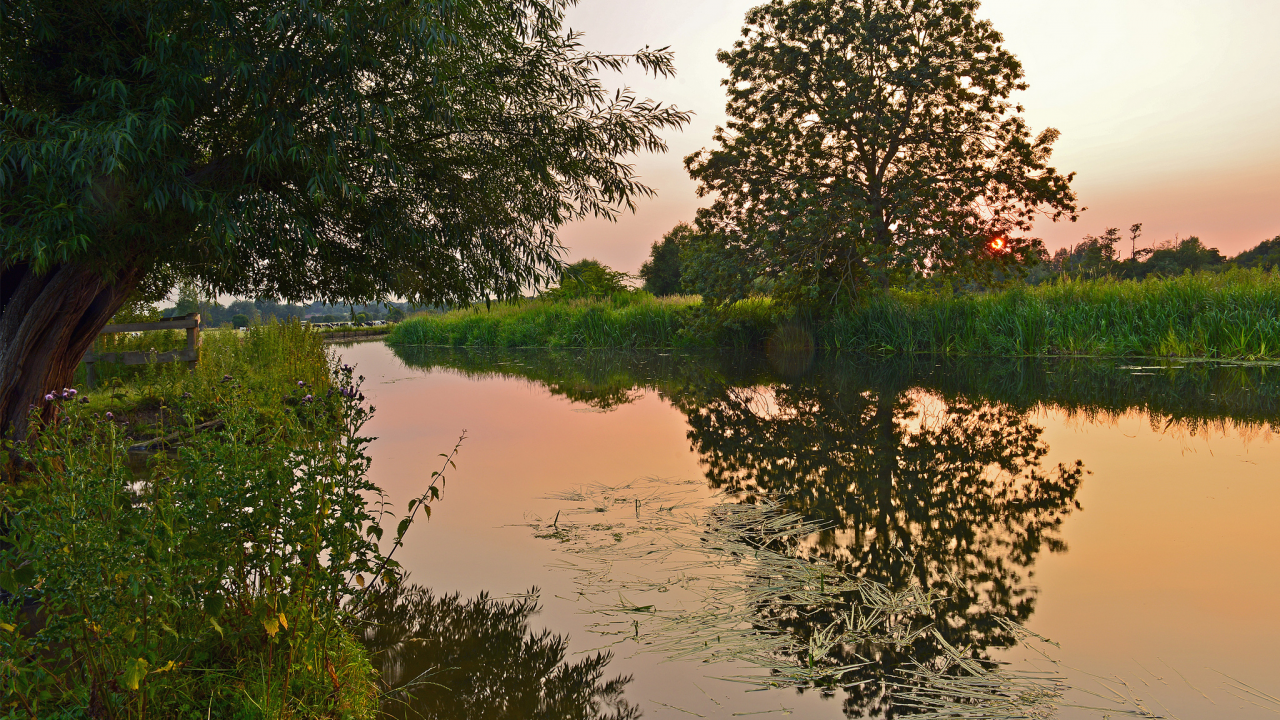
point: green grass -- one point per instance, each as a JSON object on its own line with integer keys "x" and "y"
{"x": 626, "y": 320}
{"x": 1230, "y": 315}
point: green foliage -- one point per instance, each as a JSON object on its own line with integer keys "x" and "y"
{"x": 714, "y": 265}
{"x": 1224, "y": 315}
{"x": 240, "y": 321}
{"x": 395, "y": 314}
{"x": 339, "y": 150}
{"x": 623, "y": 321}
{"x": 1266, "y": 255}
{"x": 872, "y": 142}
{"x": 1235, "y": 314}
{"x": 661, "y": 272}
{"x": 209, "y": 580}
{"x": 588, "y": 279}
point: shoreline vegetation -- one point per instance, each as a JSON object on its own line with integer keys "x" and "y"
{"x": 224, "y": 571}
{"x": 1233, "y": 315}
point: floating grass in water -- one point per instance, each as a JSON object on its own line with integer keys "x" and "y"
{"x": 682, "y": 574}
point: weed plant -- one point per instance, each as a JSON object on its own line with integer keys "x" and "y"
{"x": 217, "y": 580}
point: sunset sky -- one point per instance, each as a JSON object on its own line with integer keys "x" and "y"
{"x": 1169, "y": 111}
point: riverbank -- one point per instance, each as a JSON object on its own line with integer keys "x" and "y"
{"x": 625, "y": 320}
{"x": 1230, "y": 315}
{"x": 164, "y": 555}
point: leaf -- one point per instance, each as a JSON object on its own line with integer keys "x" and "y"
{"x": 134, "y": 671}
{"x": 7, "y": 627}
{"x": 359, "y": 579}
{"x": 402, "y": 528}
{"x": 25, "y": 575}
{"x": 284, "y": 623}
{"x": 214, "y": 604}
{"x": 271, "y": 625}
{"x": 217, "y": 627}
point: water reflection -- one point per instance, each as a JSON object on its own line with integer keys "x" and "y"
{"x": 478, "y": 659}
{"x": 927, "y": 471}
{"x": 946, "y": 492}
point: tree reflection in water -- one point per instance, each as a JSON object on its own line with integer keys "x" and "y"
{"x": 478, "y": 659}
{"x": 928, "y": 470}
{"x": 946, "y": 492}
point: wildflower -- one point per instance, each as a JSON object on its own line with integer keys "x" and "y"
{"x": 306, "y": 399}
{"x": 186, "y": 395}
{"x": 84, "y": 401}
{"x": 301, "y": 384}
{"x": 49, "y": 397}
{"x": 111, "y": 416}
{"x": 225, "y": 378}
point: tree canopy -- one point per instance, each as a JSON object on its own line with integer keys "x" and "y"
{"x": 344, "y": 150}
{"x": 870, "y": 142}
{"x": 661, "y": 272}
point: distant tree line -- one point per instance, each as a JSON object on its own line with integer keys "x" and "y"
{"x": 1102, "y": 256}
{"x": 685, "y": 261}
{"x": 242, "y": 313}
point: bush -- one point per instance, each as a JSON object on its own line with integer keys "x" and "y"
{"x": 588, "y": 279}
{"x": 211, "y": 580}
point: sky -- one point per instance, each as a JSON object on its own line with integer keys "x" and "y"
{"x": 1169, "y": 112}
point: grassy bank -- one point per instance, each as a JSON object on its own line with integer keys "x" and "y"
{"x": 625, "y": 320}
{"x": 1231, "y": 315}
{"x": 215, "y": 576}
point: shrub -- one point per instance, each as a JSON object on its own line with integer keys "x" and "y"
{"x": 211, "y": 580}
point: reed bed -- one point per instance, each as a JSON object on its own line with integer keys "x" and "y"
{"x": 1230, "y": 315}
{"x": 623, "y": 321}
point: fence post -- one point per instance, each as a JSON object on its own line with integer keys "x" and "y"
{"x": 193, "y": 341}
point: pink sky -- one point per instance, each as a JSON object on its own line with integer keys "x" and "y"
{"x": 1169, "y": 111}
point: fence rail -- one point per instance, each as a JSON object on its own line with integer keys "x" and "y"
{"x": 191, "y": 355}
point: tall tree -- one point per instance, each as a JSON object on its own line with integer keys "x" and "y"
{"x": 347, "y": 151}
{"x": 661, "y": 272}
{"x": 874, "y": 141}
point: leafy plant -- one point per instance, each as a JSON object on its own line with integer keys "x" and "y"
{"x": 214, "y": 579}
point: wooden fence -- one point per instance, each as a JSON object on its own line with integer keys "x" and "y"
{"x": 190, "y": 355}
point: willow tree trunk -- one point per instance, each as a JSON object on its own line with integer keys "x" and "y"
{"x": 47, "y": 323}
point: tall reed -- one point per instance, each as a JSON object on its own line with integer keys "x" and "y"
{"x": 1234, "y": 315}
{"x": 1230, "y": 315}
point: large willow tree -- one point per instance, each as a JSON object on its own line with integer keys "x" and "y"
{"x": 871, "y": 142}
{"x": 344, "y": 150}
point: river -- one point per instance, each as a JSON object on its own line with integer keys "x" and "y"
{"x": 1125, "y": 511}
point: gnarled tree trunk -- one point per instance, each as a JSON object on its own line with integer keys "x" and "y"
{"x": 47, "y": 323}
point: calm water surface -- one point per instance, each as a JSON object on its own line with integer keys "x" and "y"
{"x": 1127, "y": 513}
